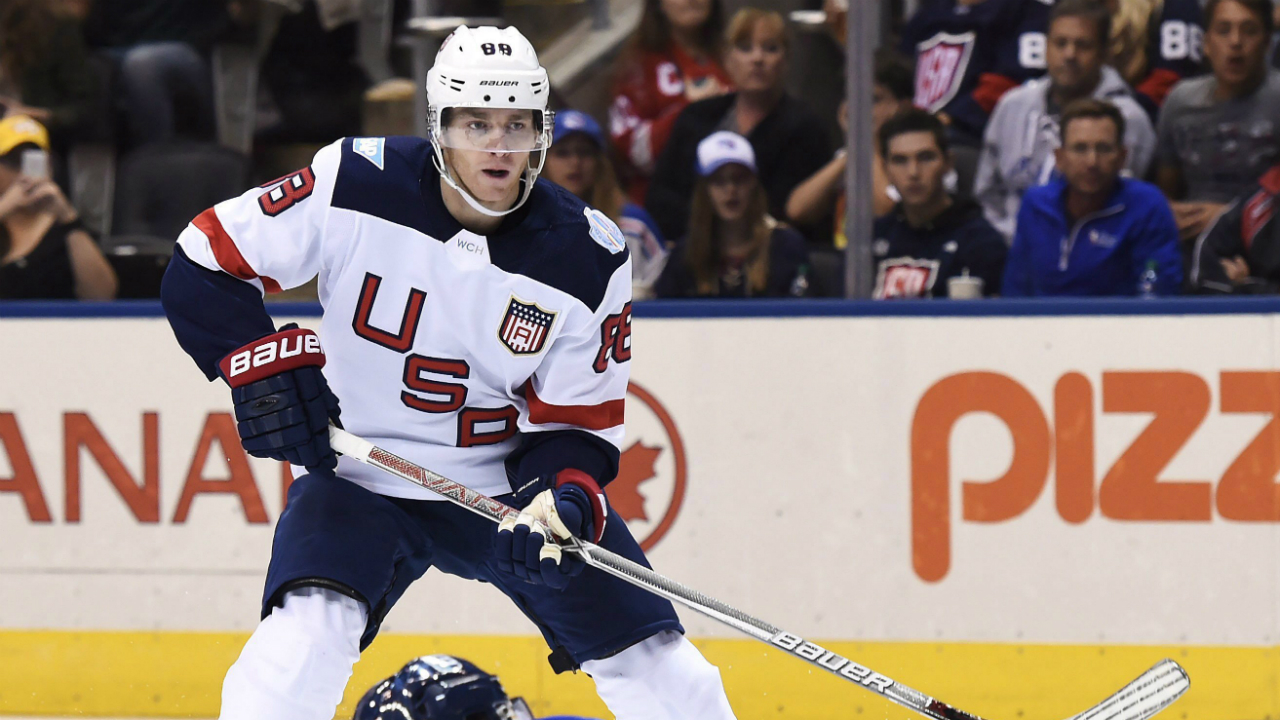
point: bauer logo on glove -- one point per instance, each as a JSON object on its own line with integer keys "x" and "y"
{"x": 285, "y": 350}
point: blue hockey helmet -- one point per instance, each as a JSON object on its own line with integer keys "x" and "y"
{"x": 440, "y": 687}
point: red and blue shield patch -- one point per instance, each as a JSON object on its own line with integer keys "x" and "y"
{"x": 525, "y": 327}
{"x": 941, "y": 62}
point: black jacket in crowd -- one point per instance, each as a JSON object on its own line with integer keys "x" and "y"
{"x": 916, "y": 262}
{"x": 790, "y": 145}
{"x": 1248, "y": 229}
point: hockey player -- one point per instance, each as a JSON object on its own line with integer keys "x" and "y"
{"x": 443, "y": 687}
{"x": 477, "y": 322}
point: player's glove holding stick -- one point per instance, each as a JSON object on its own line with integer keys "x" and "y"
{"x": 574, "y": 506}
{"x": 283, "y": 403}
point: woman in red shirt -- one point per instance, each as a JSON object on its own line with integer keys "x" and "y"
{"x": 673, "y": 61}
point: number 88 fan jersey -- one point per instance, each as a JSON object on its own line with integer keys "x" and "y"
{"x": 444, "y": 347}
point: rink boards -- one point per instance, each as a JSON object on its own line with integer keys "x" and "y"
{"x": 1016, "y": 513}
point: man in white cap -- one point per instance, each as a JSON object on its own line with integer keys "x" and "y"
{"x": 476, "y": 322}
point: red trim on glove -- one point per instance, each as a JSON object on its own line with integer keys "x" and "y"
{"x": 586, "y": 483}
{"x": 272, "y": 355}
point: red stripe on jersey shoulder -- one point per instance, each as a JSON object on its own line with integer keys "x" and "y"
{"x": 592, "y": 417}
{"x": 226, "y": 252}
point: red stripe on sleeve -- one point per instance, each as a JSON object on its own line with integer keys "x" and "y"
{"x": 592, "y": 417}
{"x": 226, "y": 252}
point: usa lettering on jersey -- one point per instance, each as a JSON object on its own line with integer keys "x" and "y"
{"x": 434, "y": 345}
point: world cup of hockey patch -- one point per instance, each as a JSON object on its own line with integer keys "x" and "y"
{"x": 941, "y": 62}
{"x": 525, "y": 327}
{"x": 604, "y": 231}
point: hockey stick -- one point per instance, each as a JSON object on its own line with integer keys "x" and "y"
{"x": 1153, "y": 691}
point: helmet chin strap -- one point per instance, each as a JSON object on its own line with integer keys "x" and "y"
{"x": 528, "y": 177}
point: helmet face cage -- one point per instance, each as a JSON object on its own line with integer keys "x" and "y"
{"x": 537, "y": 157}
{"x": 444, "y": 136}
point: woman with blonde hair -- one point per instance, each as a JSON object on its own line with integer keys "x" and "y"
{"x": 734, "y": 248}
{"x": 790, "y": 142}
{"x": 579, "y": 162}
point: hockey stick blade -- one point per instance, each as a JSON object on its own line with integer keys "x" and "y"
{"x": 1153, "y": 691}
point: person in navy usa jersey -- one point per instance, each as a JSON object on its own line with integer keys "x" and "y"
{"x": 477, "y": 322}
{"x": 971, "y": 52}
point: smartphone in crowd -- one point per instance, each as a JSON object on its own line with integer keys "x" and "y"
{"x": 35, "y": 163}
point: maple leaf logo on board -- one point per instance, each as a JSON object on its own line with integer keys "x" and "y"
{"x": 652, "y": 472}
{"x": 635, "y": 467}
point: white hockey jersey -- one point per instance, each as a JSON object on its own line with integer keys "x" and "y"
{"x": 442, "y": 345}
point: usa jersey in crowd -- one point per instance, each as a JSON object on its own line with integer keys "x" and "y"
{"x": 916, "y": 262}
{"x": 1156, "y": 43}
{"x": 969, "y": 54}
{"x": 442, "y": 344}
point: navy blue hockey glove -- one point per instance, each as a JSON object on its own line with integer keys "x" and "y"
{"x": 528, "y": 544}
{"x": 283, "y": 403}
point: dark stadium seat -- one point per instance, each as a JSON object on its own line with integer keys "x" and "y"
{"x": 160, "y": 187}
{"x": 139, "y": 262}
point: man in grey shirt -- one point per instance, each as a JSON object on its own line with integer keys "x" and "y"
{"x": 1219, "y": 133}
{"x": 1020, "y": 139}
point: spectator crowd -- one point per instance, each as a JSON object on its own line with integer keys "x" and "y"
{"x": 1023, "y": 147}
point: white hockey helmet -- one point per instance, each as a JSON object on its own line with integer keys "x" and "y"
{"x": 487, "y": 67}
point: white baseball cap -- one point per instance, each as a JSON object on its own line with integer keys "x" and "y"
{"x": 722, "y": 148}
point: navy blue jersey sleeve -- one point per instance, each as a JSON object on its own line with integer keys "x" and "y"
{"x": 211, "y": 313}
{"x": 541, "y": 455}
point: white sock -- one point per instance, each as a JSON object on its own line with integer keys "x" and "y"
{"x": 662, "y": 678}
{"x": 297, "y": 663}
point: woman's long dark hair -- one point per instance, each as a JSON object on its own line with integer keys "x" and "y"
{"x": 702, "y": 253}
{"x": 654, "y": 34}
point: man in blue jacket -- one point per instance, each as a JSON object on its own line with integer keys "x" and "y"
{"x": 1090, "y": 231}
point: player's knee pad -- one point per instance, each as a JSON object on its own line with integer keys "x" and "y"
{"x": 662, "y": 678}
{"x": 298, "y": 661}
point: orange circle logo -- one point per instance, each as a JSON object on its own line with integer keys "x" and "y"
{"x": 649, "y": 489}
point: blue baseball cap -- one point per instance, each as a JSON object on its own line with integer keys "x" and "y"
{"x": 569, "y": 122}
{"x": 723, "y": 148}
